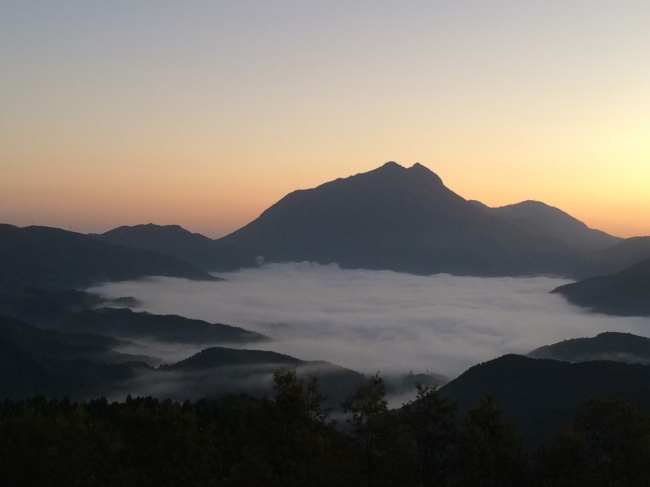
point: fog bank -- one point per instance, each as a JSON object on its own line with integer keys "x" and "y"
{"x": 383, "y": 321}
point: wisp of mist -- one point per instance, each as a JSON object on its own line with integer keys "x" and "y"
{"x": 379, "y": 321}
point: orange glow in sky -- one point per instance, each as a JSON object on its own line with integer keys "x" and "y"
{"x": 204, "y": 114}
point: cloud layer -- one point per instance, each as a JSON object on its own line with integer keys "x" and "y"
{"x": 379, "y": 320}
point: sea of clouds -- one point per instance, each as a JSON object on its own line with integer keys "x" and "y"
{"x": 379, "y": 321}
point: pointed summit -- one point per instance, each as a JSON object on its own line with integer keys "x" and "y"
{"x": 425, "y": 172}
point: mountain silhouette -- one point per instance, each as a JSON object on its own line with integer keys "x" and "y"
{"x": 540, "y": 218}
{"x": 58, "y": 259}
{"x": 45, "y": 362}
{"x": 224, "y": 370}
{"x": 173, "y": 240}
{"x": 540, "y": 395}
{"x": 401, "y": 219}
{"x": 619, "y": 347}
{"x": 625, "y": 254}
{"x": 127, "y": 324}
{"x": 626, "y": 293}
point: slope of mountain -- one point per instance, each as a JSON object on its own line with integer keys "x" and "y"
{"x": 54, "y": 344}
{"x": 35, "y": 361}
{"x": 217, "y": 371}
{"x": 126, "y": 324}
{"x": 58, "y": 259}
{"x": 541, "y": 395}
{"x": 177, "y": 242}
{"x": 44, "y": 362}
{"x": 215, "y": 357}
{"x": 626, "y": 293}
{"x": 619, "y": 347}
{"x": 626, "y": 253}
{"x": 404, "y": 220}
{"x": 46, "y": 307}
{"x": 540, "y": 218}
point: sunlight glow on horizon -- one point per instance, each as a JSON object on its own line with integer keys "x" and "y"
{"x": 204, "y": 114}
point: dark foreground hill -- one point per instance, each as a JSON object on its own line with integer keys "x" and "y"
{"x": 44, "y": 362}
{"x": 404, "y": 220}
{"x": 219, "y": 370}
{"x": 541, "y": 395}
{"x": 83, "y": 312}
{"x": 66, "y": 346}
{"x": 51, "y": 363}
{"x": 58, "y": 259}
{"x": 626, "y": 293}
{"x": 619, "y": 347}
{"x": 540, "y": 218}
{"x": 173, "y": 240}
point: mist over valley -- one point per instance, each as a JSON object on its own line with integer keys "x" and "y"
{"x": 379, "y": 321}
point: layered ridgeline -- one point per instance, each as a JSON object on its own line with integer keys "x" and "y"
{"x": 82, "y": 350}
{"x": 618, "y": 347}
{"x": 403, "y": 220}
{"x": 626, "y": 253}
{"x": 540, "y": 218}
{"x": 174, "y": 240}
{"x": 82, "y": 365}
{"x": 626, "y": 293}
{"x": 58, "y": 259}
{"x": 54, "y": 364}
{"x": 173, "y": 329}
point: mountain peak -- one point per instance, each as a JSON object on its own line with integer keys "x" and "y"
{"x": 416, "y": 169}
{"x": 425, "y": 172}
{"x": 392, "y": 164}
{"x": 390, "y": 167}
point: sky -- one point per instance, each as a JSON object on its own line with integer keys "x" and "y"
{"x": 378, "y": 321}
{"x": 204, "y": 113}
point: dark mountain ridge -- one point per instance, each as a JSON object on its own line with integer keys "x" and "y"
{"x": 403, "y": 220}
{"x": 626, "y": 293}
{"x": 619, "y": 347}
{"x": 45, "y": 362}
{"x": 250, "y": 371}
{"x": 127, "y": 324}
{"x": 58, "y": 259}
{"x": 625, "y": 254}
{"x": 540, "y": 218}
{"x": 173, "y": 240}
{"x": 540, "y": 395}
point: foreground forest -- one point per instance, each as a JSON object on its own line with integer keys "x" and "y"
{"x": 292, "y": 441}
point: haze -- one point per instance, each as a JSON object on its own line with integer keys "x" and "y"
{"x": 379, "y": 320}
{"x": 205, "y": 113}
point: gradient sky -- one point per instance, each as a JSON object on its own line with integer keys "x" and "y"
{"x": 204, "y": 113}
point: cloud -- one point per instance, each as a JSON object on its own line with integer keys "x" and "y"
{"x": 379, "y": 320}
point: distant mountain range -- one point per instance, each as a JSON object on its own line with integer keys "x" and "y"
{"x": 539, "y": 218}
{"x": 58, "y": 259}
{"x": 194, "y": 248}
{"x": 401, "y": 219}
{"x": 626, "y": 293}
{"x": 394, "y": 218}
{"x": 626, "y": 253}
{"x": 618, "y": 347}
